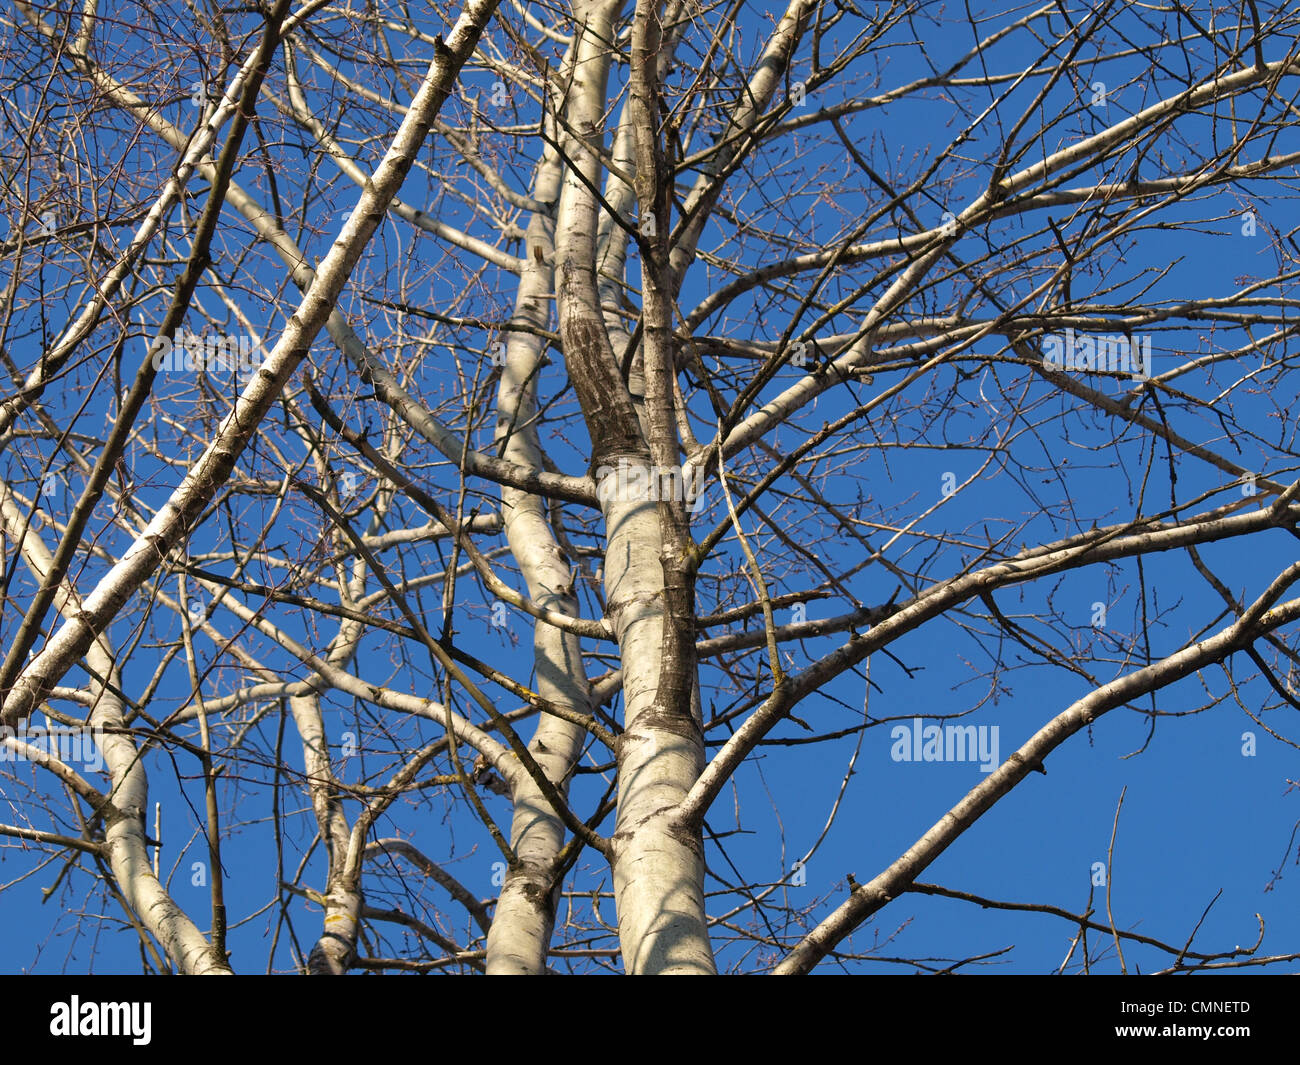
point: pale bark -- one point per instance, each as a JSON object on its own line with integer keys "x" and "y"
{"x": 659, "y": 862}
{"x": 387, "y": 385}
{"x": 123, "y": 811}
{"x": 658, "y": 868}
{"x": 658, "y": 865}
{"x": 195, "y": 154}
{"x": 525, "y": 912}
{"x": 172, "y": 524}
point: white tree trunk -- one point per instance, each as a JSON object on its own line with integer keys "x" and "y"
{"x": 521, "y": 927}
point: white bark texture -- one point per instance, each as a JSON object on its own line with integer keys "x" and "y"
{"x": 521, "y": 928}
{"x": 174, "y": 519}
{"x": 123, "y": 810}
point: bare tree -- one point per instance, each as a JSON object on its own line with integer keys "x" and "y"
{"x": 494, "y": 431}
